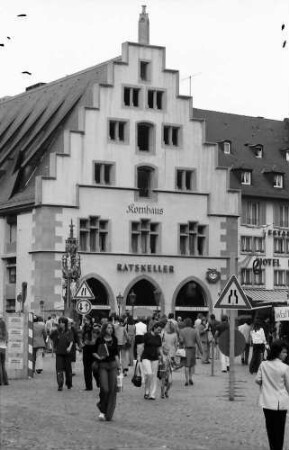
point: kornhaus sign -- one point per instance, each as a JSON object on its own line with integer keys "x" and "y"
{"x": 144, "y": 209}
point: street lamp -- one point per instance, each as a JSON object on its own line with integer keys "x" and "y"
{"x": 119, "y": 300}
{"x": 132, "y": 298}
{"x": 157, "y": 295}
{"x": 71, "y": 270}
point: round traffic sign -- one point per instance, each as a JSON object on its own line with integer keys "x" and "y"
{"x": 83, "y": 306}
{"x": 224, "y": 343}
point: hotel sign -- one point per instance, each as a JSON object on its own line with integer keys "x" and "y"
{"x": 145, "y": 268}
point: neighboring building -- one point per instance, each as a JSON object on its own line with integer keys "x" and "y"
{"x": 256, "y": 151}
{"x": 115, "y": 149}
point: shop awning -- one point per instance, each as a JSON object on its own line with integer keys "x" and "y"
{"x": 265, "y": 298}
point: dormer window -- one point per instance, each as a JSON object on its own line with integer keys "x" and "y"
{"x": 245, "y": 177}
{"x": 278, "y": 181}
{"x": 287, "y": 155}
{"x": 258, "y": 150}
{"x": 227, "y": 147}
{"x": 144, "y": 70}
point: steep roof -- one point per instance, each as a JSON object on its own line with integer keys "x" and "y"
{"x": 31, "y": 122}
{"x": 244, "y": 132}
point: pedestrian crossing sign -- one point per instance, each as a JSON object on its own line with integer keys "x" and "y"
{"x": 233, "y": 296}
{"x": 84, "y": 292}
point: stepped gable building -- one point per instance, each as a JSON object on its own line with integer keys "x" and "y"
{"x": 256, "y": 152}
{"x": 116, "y": 150}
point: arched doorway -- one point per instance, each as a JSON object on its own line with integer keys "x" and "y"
{"x": 100, "y": 304}
{"x": 143, "y": 298}
{"x": 191, "y": 300}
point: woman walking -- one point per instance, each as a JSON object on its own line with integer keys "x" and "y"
{"x": 171, "y": 339}
{"x": 130, "y": 328}
{"x": 106, "y": 353}
{"x": 150, "y": 357}
{"x": 62, "y": 342}
{"x": 122, "y": 339}
{"x": 259, "y": 342}
{"x": 273, "y": 379}
{"x": 203, "y": 331}
{"x": 190, "y": 339}
{"x": 88, "y": 343}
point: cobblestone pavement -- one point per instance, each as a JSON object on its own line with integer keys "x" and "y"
{"x": 34, "y": 415}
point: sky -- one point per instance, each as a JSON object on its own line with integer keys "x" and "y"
{"x": 231, "y": 49}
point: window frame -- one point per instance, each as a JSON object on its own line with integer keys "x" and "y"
{"x": 171, "y": 127}
{"x": 132, "y": 88}
{"x": 103, "y": 165}
{"x": 155, "y": 92}
{"x": 147, "y": 64}
{"x": 144, "y": 234}
{"x": 246, "y": 177}
{"x": 278, "y": 184}
{"x": 94, "y": 232}
{"x": 192, "y": 235}
{"x": 117, "y": 139}
{"x": 183, "y": 173}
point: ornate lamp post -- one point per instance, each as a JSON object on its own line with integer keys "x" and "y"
{"x": 157, "y": 295}
{"x": 132, "y": 299}
{"x": 119, "y": 300}
{"x": 71, "y": 271}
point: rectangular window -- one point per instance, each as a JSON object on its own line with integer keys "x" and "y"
{"x": 192, "y": 239}
{"x": 279, "y": 245}
{"x": 155, "y": 99}
{"x": 10, "y": 305}
{"x": 184, "y": 180}
{"x": 11, "y": 270}
{"x": 253, "y": 213}
{"x": 287, "y": 156}
{"x": 227, "y": 148}
{"x": 131, "y": 96}
{"x": 117, "y": 130}
{"x": 259, "y": 151}
{"x": 281, "y": 278}
{"x": 246, "y": 177}
{"x": 144, "y": 237}
{"x": 259, "y": 244}
{"x": 171, "y": 136}
{"x": 144, "y": 70}
{"x": 284, "y": 216}
{"x": 103, "y": 173}
{"x": 246, "y": 244}
{"x": 247, "y": 277}
{"x": 278, "y": 181}
{"x": 93, "y": 235}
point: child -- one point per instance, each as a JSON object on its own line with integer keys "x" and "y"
{"x": 165, "y": 373}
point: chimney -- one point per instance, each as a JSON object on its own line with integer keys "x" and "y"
{"x": 144, "y": 27}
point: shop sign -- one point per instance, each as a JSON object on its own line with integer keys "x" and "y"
{"x": 281, "y": 313}
{"x": 148, "y": 268}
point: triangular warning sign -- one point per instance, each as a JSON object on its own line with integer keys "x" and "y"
{"x": 233, "y": 296}
{"x": 84, "y": 291}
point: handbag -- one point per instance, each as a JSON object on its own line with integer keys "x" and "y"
{"x": 181, "y": 353}
{"x": 136, "y": 379}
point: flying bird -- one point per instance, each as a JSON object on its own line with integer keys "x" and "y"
{"x": 1, "y": 45}
{"x": 21, "y": 15}
{"x": 25, "y": 72}
{"x": 283, "y": 26}
{"x": 284, "y": 44}
{"x": 8, "y": 37}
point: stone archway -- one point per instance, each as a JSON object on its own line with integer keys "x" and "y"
{"x": 191, "y": 298}
{"x": 148, "y": 297}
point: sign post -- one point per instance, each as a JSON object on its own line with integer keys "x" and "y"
{"x": 232, "y": 298}
{"x": 83, "y": 296}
